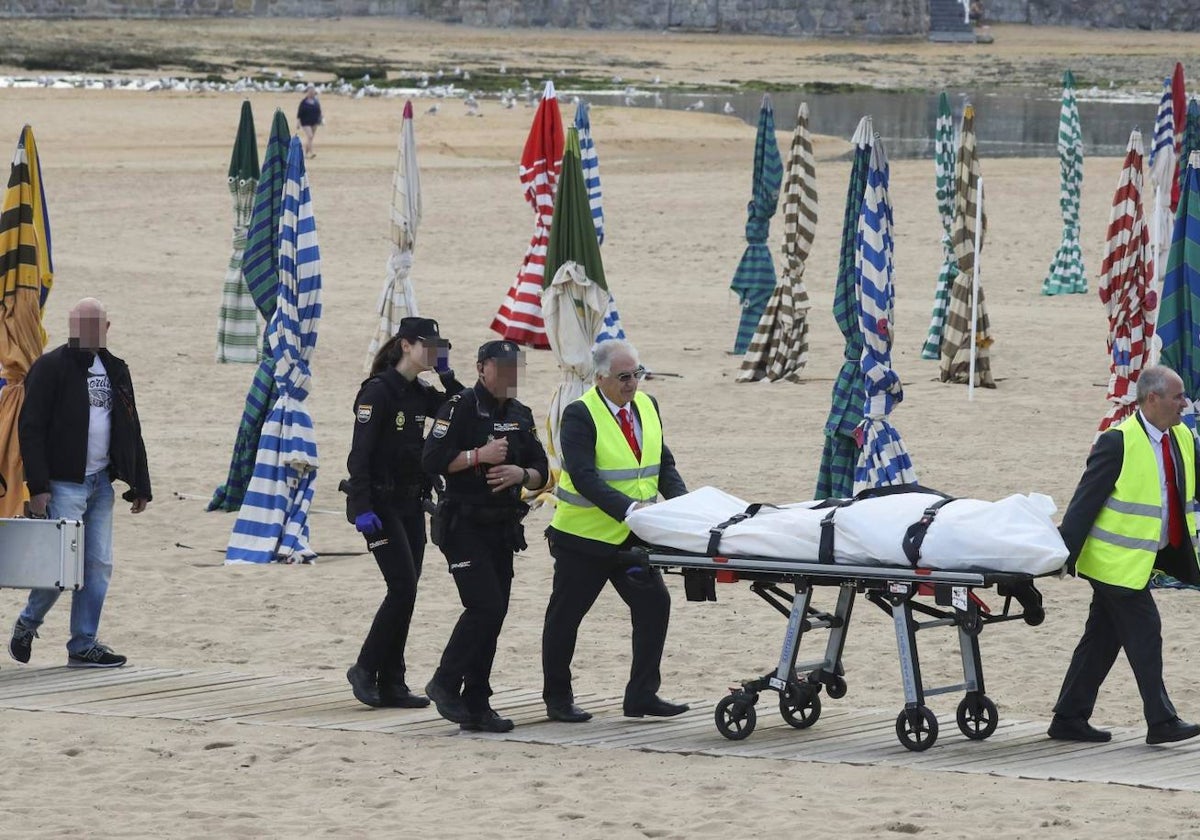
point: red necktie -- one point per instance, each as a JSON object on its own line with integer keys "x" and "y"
{"x": 1174, "y": 506}
{"x": 627, "y": 428}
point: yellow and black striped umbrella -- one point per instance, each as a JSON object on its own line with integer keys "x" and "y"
{"x": 26, "y": 274}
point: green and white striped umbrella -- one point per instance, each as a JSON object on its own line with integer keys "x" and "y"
{"x": 943, "y": 168}
{"x": 237, "y": 322}
{"x": 1067, "y": 276}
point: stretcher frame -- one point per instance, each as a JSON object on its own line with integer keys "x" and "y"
{"x": 892, "y": 589}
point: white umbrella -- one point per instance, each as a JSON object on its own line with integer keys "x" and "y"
{"x": 397, "y": 299}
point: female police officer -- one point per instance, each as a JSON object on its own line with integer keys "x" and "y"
{"x": 386, "y": 490}
{"x": 485, "y": 443}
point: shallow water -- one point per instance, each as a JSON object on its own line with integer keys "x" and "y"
{"x": 1010, "y": 124}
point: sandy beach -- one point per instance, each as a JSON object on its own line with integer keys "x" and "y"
{"x": 141, "y": 218}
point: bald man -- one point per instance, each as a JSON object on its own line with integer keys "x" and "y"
{"x": 79, "y": 431}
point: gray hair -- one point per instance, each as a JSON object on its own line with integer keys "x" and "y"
{"x": 1153, "y": 380}
{"x": 602, "y": 354}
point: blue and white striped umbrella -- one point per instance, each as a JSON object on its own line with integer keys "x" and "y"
{"x": 272, "y": 525}
{"x": 1162, "y": 173}
{"x": 882, "y": 458}
{"x": 754, "y": 280}
{"x": 591, "y": 177}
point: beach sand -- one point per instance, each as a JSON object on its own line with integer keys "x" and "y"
{"x": 141, "y": 218}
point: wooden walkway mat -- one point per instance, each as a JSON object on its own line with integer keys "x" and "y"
{"x": 843, "y": 735}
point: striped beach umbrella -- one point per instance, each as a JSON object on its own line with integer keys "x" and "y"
{"x": 1162, "y": 175}
{"x": 397, "y": 299}
{"x": 839, "y": 455}
{"x": 237, "y": 321}
{"x": 260, "y": 266}
{"x": 1179, "y": 109}
{"x": 272, "y": 525}
{"x": 955, "y": 363}
{"x": 1179, "y": 315}
{"x": 1191, "y": 135}
{"x": 1067, "y": 275}
{"x": 26, "y": 275}
{"x": 779, "y": 348}
{"x": 1127, "y": 287}
{"x": 591, "y": 177}
{"x": 943, "y": 170}
{"x": 882, "y": 458}
{"x": 520, "y": 316}
{"x": 754, "y": 278}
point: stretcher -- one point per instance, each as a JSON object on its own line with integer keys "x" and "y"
{"x": 41, "y": 554}
{"x": 789, "y": 585}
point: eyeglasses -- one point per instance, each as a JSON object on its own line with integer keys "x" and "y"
{"x": 626, "y": 376}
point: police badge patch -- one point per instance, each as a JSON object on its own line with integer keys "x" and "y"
{"x": 399, "y": 420}
{"x": 364, "y": 413}
{"x": 439, "y": 428}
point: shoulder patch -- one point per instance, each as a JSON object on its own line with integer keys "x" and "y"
{"x": 440, "y": 427}
{"x": 363, "y": 413}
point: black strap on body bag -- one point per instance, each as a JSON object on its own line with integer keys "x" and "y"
{"x": 717, "y": 531}
{"x": 915, "y": 535}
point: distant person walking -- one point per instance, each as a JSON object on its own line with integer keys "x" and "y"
{"x": 309, "y": 117}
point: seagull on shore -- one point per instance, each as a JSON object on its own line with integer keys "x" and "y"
{"x": 698, "y": 105}
{"x": 432, "y": 110}
{"x": 630, "y": 102}
{"x": 729, "y": 109}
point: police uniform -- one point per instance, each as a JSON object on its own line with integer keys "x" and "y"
{"x": 482, "y": 528}
{"x": 386, "y": 477}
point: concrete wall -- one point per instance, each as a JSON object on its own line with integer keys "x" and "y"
{"x": 1182, "y": 15}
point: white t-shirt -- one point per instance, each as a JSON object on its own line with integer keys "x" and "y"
{"x": 100, "y": 417}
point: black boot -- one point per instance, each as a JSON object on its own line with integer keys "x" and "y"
{"x": 362, "y": 683}
{"x": 394, "y": 693}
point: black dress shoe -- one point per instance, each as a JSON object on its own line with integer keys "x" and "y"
{"x": 1076, "y": 729}
{"x": 567, "y": 713}
{"x": 362, "y": 683}
{"x": 654, "y": 707}
{"x": 448, "y": 704}
{"x": 488, "y": 721}
{"x": 396, "y": 695}
{"x": 1171, "y": 731}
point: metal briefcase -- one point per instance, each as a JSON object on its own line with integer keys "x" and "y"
{"x": 41, "y": 553}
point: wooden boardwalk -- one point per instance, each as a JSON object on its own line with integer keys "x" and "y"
{"x": 844, "y": 735}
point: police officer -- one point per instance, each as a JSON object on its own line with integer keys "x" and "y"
{"x": 485, "y": 442}
{"x": 386, "y": 490}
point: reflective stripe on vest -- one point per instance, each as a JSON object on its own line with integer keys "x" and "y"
{"x": 1122, "y": 545}
{"x": 616, "y": 466}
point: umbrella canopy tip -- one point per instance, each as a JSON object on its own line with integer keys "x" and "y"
{"x": 408, "y": 111}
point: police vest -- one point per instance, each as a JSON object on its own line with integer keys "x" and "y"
{"x": 617, "y": 467}
{"x": 1123, "y": 543}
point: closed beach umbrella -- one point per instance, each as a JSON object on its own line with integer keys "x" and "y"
{"x": 1127, "y": 287}
{"x": 839, "y": 456}
{"x": 260, "y": 266}
{"x": 882, "y": 458}
{"x": 397, "y": 299}
{"x": 520, "y": 316}
{"x": 576, "y": 295}
{"x": 237, "y": 321}
{"x": 1067, "y": 276}
{"x": 272, "y": 525}
{"x": 591, "y": 177}
{"x": 1179, "y": 109}
{"x": 956, "y": 338}
{"x": 1179, "y": 316}
{"x": 1162, "y": 175}
{"x": 779, "y": 348}
{"x": 754, "y": 278}
{"x": 26, "y": 272}
{"x": 1191, "y": 135}
{"x": 943, "y": 169}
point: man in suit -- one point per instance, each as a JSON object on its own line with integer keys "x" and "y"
{"x": 614, "y": 460}
{"x": 1133, "y": 512}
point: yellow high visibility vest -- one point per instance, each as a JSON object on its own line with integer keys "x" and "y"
{"x": 616, "y": 466}
{"x": 1123, "y": 543}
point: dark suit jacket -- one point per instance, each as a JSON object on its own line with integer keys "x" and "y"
{"x": 1104, "y": 466}
{"x": 577, "y": 434}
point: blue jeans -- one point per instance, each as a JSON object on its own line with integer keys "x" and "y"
{"x": 92, "y": 503}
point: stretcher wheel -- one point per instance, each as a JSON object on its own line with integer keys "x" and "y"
{"x": 735, "y": 716}
{"x": 917, "y": 728}
{"x": 836, "y": 687}
{"x": 800, "y": 705}
{"x": 977, "y": 716}
{"x": 971, "y": 624}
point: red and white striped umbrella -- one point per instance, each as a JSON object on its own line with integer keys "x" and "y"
{"x": 1126, "y": 287}
{"x": 520, "y": 316}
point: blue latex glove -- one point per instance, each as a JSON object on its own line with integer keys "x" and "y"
{"x": 368, "y": 523}
{"x": 443, "y": 360}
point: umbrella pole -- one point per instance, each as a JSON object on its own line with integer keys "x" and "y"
{"x": 975, "y": 283}
{"x": 1156, "y": 280}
